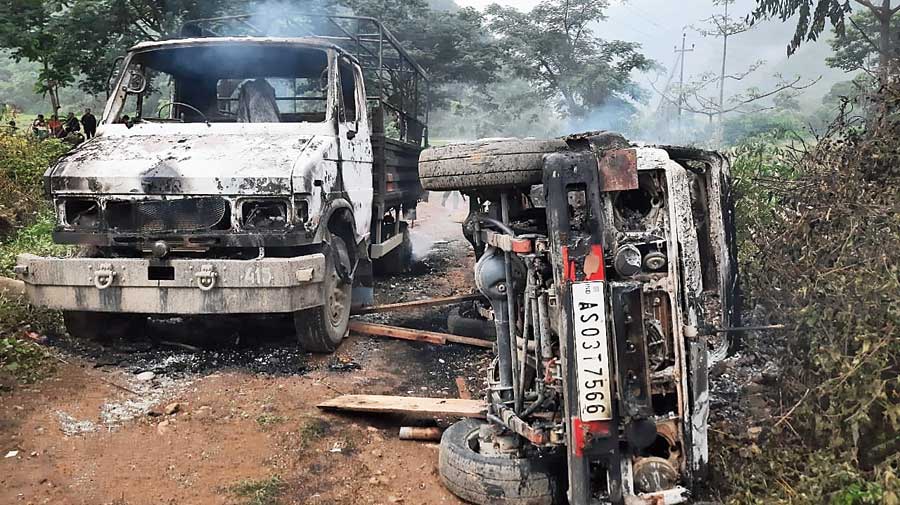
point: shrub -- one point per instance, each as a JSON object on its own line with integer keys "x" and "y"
{"x": 822, "y": 257}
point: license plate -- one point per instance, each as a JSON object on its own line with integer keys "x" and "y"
{"x": 592, "y": 351}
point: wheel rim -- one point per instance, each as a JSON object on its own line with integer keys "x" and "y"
{"x": 337, "y": 301}
{"x": 718, "y": 347}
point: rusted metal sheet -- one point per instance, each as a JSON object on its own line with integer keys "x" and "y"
{"x": 508, "y": 243}
{"x": 618, "y": 170}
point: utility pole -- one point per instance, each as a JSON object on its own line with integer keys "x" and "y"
{"x": 682, "y": 52}
{"x": 725, "y": 33}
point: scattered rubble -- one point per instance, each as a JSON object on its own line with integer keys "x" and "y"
{"x": 72, "y": 427}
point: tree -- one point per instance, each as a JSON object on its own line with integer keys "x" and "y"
{"x": 813, "y": 15}
{"x": 105, "y": 29}
{"x": 723, "y": 26}
{"x": 35, "y": 30}
{"x": 454, "y": 47}
{"x": 79, "y": 39}
{"x": 553, "y": 47}
{"x": 858, "y": 48}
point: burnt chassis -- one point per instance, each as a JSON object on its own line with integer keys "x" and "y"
{"x": 652, "y": 230}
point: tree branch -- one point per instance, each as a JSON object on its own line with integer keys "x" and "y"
{"x": 865, "y": 35}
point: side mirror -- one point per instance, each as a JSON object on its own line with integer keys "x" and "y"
{"x": 136, "y": 84}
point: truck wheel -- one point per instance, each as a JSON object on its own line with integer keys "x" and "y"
{"x": 486, "y": 163}
{"x": 399, "y": 260}
{"x": 104, "y": 325}
{"x": 496, "y": 480}
{"x": 321, "y": 329}
{"x": 467, "y": 326}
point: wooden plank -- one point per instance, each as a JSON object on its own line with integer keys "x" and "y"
{"x": 428, "y": 302}
{"x": 434, "y": 407}
{"x": 384, "y": 330}
{"x": 431, "y": 337}
{"x": 463, "y": 388}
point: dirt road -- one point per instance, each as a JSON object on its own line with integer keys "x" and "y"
{"x": 235, "y": 421}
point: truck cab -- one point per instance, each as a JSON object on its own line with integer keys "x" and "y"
{"x": 233, "y": 175}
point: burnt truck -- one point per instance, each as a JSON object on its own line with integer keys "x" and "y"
{"x": 611, "y": 274}
{"x": 240, "y": 170}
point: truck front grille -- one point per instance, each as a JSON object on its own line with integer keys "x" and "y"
{"x": 154, "y": 216}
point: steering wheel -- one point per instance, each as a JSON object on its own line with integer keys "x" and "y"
{"x": 189, "y": 106}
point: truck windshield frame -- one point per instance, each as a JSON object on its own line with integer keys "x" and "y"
{"x": 225, "y": 82}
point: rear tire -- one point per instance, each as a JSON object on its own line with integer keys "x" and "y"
{"x": 321, "y": 329}
{"x": 496, "y": 480}
{"x": 104, "y": 325}
{"x": 486, "y": 164}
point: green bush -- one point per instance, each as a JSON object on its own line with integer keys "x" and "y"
{"x": 35, "y": 239}
{"x": 23, "y": 160}
{"x": 777, "y": 124}
{"x": 821, "y": 235}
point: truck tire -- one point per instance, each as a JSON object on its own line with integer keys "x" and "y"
{"x": 486, "y": 163}
{"x": 467, "y": 326}
{"x": 495, "y": 480}
{"x": 399, "y": 260}
{"x": 104, "y": 325}
{"x": 321, "y": 329}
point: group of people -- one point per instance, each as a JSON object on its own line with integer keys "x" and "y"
{"x": 54, "y": 127}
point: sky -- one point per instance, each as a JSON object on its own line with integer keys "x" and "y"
{"x": 659, "y": 24}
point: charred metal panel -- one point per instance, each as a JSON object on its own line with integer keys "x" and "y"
{"x": 618, "y": 170}
{"x": 694, "y": 350}
{"x": 632, "y": 364}
{"x": 576, "y": 229}
{"x": 180, "y": 159}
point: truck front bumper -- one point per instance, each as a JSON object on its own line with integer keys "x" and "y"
{"x": 178, "y": 286}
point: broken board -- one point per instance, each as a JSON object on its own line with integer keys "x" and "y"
{"x": 433, "y": 407}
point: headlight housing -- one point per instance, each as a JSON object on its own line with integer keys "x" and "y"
{"x": 82, "y": 213}
{"x": 264, "y": 215}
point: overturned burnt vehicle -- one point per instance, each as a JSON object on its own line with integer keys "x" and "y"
{"x": 254, "y": 173}
{"x": 610, "y": 269}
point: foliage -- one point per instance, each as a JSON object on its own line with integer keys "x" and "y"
{"x": 822, "y": 259}
{"x": 452, "y": 46}
{"x": 22, "y": 360}
{"x": 774, "y": 125}
{"x": 857, "y": 47}
{"x": 757, "y": 164}
{"x": 813, "y": 15}
{"x": 508, "y": 108}
{"x": 23, "y": 161}
{"x": 554, "y": 48}
{"x": 36, "y": 30}
{"x": 259, "y": 492}
{"x": 35, "y": 239}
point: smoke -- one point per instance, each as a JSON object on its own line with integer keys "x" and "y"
{"x": 295, "y": 19}
{"x": 616, "y": 115}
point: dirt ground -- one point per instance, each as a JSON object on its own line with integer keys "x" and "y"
{"x": 242, "y": 424}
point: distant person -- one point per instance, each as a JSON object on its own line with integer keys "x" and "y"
{"x": 55, "y": 126}
{"x": 89, "y": 122}
{"x": 72, "y": 124}
{"x": 39, "y": 127}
